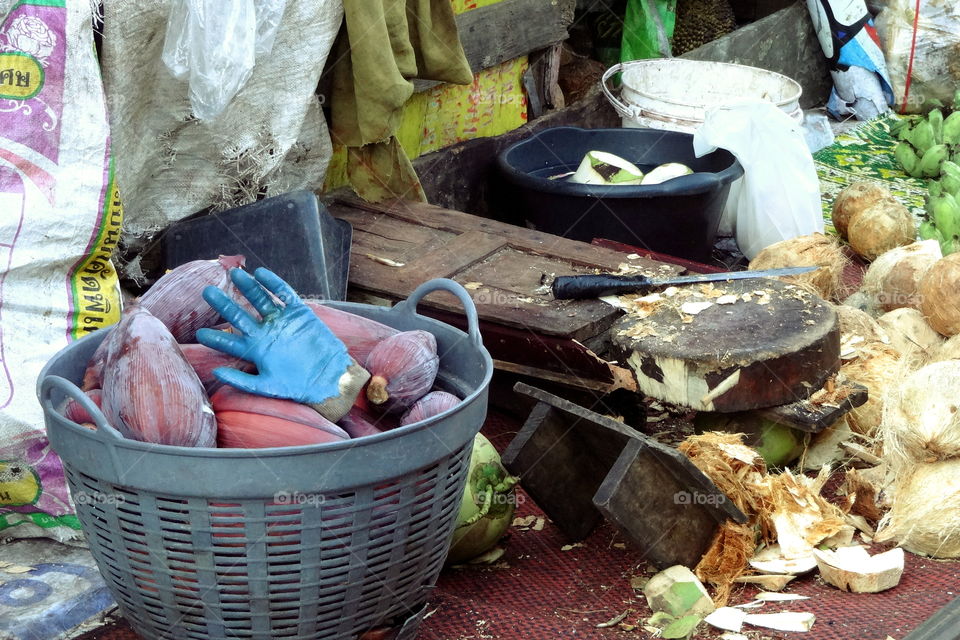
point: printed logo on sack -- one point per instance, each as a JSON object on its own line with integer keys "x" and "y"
{"x": 29, "y": 42}
{"x": 21, "y": 76}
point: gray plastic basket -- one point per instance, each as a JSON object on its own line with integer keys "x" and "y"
{"x": 317, "y": 541}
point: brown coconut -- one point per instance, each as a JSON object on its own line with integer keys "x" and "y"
{"x": 893, "y": 279}
{"x": 925, "y": 515}
{"x": 910, "y": 335}
{"x": 940, "y": 295}
{"x": 877, "y": 367}
{"x": 884, "y": 225}
{"x": 921, "y": 416}
{"x": 813, "y": 250}
{"x": 854, "y": 199}
{"x": 857, "y": 323}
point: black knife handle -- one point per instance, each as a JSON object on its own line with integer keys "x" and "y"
{"x": 594, "y": 286}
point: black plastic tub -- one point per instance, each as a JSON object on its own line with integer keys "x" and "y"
{"x": 678, "y": 217}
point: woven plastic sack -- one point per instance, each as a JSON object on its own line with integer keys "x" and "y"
{"x": 270, "y": 138}
{"x": 61, "y": 221}
{"x": 931, "y": 62}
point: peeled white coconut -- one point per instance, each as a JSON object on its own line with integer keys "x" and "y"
{"x": 893, "y": 279}
{"x": 600, "y": 167}
{"x": 925, "y": 515}
{"x": 665, "y": 172}
{"x": 910, "y": 334}
{"x": 921, "y": 416}
{"x": 854, "y": 569}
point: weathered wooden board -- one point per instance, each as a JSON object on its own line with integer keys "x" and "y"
{"x": 755, "y": 344}
{"x": 399, "y": 245}
{"x": 580, "y": 466}
{"x": 509, "y": 29}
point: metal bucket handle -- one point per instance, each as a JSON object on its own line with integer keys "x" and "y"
{"x": 621, "y": 108}
{"x": 409, "y": 306}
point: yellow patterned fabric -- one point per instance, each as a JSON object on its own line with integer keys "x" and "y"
{"x": 866, "y": 153}
{"x": 494, "y": 103}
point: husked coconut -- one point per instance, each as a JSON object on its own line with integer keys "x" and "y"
{"x": 910, "y": 335}
{"x": 877, "y": 367}
{"x": 853, "y": 199}
{"x": 884, "y": 225}
{"x": 925, "y": 515}
{"x": 949, "y": 350}
{"x": 940, "y": 295}
{"x": 813, "y": 250}
{"x": 893, "y": 279}
{"x": 921, "y": 416}
{"x": 857, "y": 323}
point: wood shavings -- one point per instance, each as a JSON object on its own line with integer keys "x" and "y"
{"x": 693, "y": 308}
{"x": 386, "y": 261}
{"x": 710, "y": 291}
{"x": 472, "y": 286}
{"x": 727, "y": 299}
{"x": 671, "y": 291}
{"x": 570, "y": 547}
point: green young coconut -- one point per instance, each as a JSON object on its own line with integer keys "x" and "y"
{"x": 600, "y": 167}
{"x": 486, "y": 509}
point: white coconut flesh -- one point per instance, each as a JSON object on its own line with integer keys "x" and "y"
{"x": 665, "y": 172}
{"x": 600, "y": 167}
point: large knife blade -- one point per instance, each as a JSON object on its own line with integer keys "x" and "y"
{"x": 595, "y": 286}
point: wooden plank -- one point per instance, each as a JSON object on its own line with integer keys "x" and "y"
{"x": 578, "y": 464}
{"x": 505, "y": 267}
{"x": 509, "y": 29}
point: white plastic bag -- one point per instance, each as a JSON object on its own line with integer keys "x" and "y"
{"x": 215, "y": 44}
{"x": 779, "y": 197}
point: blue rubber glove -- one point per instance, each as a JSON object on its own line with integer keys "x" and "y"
{"x": 296, "y": 355}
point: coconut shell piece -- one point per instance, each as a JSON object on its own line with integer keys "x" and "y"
{"x": 853, "y": 569}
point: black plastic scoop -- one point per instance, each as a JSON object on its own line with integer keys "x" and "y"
{"x": 595, "y": 286}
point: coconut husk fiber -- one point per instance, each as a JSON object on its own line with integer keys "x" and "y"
{"x": 925, "y": 515}
{"x": 876, "y": 366}
{"x": 949, "y": 350}
{"x": 813, "y": 250}
{"x": 734, "y": 468}
{"x": 727, "y": 558}
{"x": 921, "y": 417}
{"x": 853, "y": 199}
{"x": 940, "y": 295}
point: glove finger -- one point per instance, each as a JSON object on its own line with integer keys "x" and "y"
{"x": 228, "y": 343}
{"x": 253, "y": 292}
{"x": 278, "y": 287}
{"x": 239, "y": 379}
{"x": 229, "y": 309}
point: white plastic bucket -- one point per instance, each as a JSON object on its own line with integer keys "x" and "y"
{"x": 675, "y": 93}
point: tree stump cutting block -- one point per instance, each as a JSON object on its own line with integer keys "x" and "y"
{"x": 729, "y": 346}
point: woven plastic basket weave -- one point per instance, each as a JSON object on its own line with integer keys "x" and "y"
{"x": 318, "y": 541}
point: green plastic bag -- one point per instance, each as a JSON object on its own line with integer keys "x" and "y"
{"x": 648, "y": 29}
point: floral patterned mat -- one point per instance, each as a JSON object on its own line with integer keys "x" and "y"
{"x": 866, "y": 153}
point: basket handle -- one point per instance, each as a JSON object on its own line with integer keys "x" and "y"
{"x": 445, "y": 284}
{"x": 51, "y": 383}
{"x": 621, "y": 108}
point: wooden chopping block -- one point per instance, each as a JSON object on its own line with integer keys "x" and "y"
{"x": 729, "y": 346}
{"x": 580, "y": 466}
